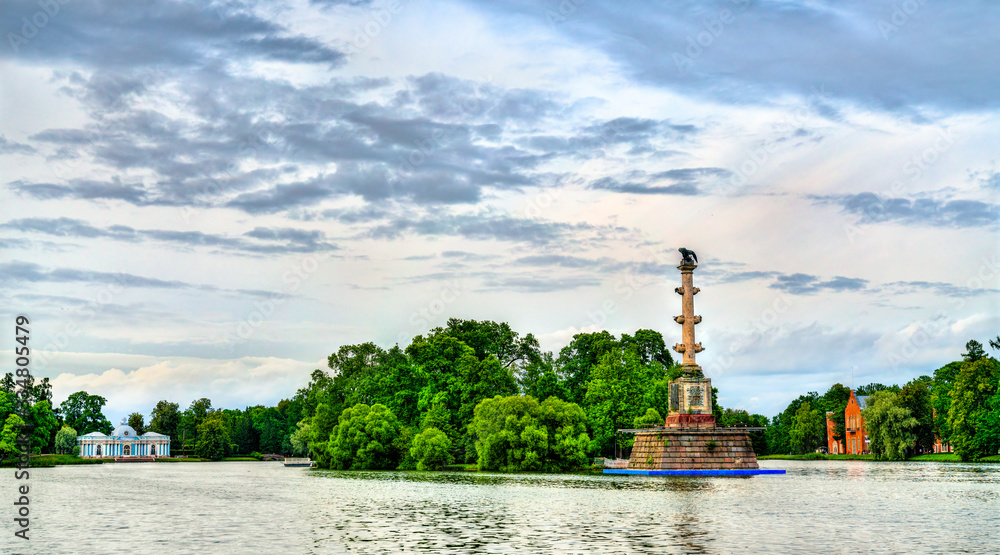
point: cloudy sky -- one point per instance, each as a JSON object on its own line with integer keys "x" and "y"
{"x": 207, "y": 201}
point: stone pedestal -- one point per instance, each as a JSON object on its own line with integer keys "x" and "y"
{"x": 693, "y": 449}
{"x": 691, "y": 394}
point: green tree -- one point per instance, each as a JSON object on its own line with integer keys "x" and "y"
{"x": 509, "y": 436}
{"x": 577, "y": 360}
{"x": 45, "y": 425}
{"x": 649, "y": 346}
{"x": 321, "y": 426}
{"x": 616, "y": 395}
{"x": 166, "y": 419}
{"x": 889, "y": 425}
{"x": 65, "y": 439}
{"x": 366, "y": 438}
{"x": 973, "y": 351}
{"x": 300, "y": 439}
{"x": 431, "y": 449}
{"x": 943, "y": 382}
{"x": 808, "y": 428}
{"x": 213, "y": 437}
{"x": 974, "y": 417}
{"x": 835, "y": 401}
{"x": 192, "y": 418}
{"x": 244, "y": 435}
{"x": 271, "y": 428}
{"x": 916, "y": 397}
{"x": 9, "y": 446}
{"x": 568, "y": 441}
{"x": 650, "y": 419}
{"x": 138, "y": 422}
{"x": 82, "y": 412}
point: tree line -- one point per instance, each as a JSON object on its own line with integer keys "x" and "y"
{"x": 478, "y": 392}
{"x": 959, "y": 403}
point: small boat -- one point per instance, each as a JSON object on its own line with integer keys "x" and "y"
{"x": 299, "y": 462}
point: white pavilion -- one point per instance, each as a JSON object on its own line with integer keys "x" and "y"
{"x": 123, "y": 442}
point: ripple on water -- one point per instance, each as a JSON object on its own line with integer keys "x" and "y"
{"x": 246, "y": 507}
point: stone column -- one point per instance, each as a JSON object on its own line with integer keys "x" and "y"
{"x": 690, "y": 394}
{"x": 689, "y": 348}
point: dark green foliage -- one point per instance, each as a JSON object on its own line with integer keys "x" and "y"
{"x": 806, "y": 433}
{"x": 431, "y": 449}
{"x": 620, "y": 389}
{"x": 974, "y": 417}
{"x": 517, "y": 433}
{"x": 973, "y": 351}
{"x": 213, "y": 437}
{"x": 915, "y": 396}
{"x": 944, "y": 381}
{"x": 166, "y": 419}
{"x": 577, "y": 359}
{"x": 366, "y": 438}
{"x": 835, "y": 401}
{"x": 889, "y": 426}
{"x": 650, "y": 419}
{"x": 82, "y": 412}
{"x": 137, "y": 422}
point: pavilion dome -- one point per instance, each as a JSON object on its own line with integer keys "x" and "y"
{"x": 125, "y": 431}
{"x": 94, "y": 434}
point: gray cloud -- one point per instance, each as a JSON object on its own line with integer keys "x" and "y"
{"x": 28, "y": 272}
{"x": 483, "y": 227}
{"x": 107, "y": 34}
{"x": 872, "y": 208}
{"x": 275, "y": 240}
{"x": 14, "y": 147}
{"x": 866, "y": 58}
{"x": 805, "y": 284}
{"x": 612, "y": 184}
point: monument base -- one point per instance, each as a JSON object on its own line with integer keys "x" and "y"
{"x": 734, "y": 472}
{"x": 693, "y": 448}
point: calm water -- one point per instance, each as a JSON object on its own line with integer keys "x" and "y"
{"x": 832, "y": 506}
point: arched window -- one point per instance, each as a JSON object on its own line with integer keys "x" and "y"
{"x": 128, "y": 450}
{"x": 98, "y": 450}
{"x": 152, "y": 450}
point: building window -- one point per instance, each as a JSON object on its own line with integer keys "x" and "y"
{"x": 152, "y": 450}
{"x": 98, "y": 450}
{"x": 128, "y": 450}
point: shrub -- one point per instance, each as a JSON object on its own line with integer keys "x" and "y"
{"x": 431, "y": 449}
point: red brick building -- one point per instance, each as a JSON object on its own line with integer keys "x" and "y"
{"x": 855, "y": 440}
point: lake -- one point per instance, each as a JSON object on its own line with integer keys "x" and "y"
{"x": 257, "y": 507}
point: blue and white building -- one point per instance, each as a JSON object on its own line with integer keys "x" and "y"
{"x": 123, "y": 442}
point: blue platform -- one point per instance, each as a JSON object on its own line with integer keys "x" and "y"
{"x": 731, "y": 472}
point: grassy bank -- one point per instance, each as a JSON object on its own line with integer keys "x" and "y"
{"x": 935, "y": 457}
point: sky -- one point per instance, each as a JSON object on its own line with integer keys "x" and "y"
{"x": 206, "y": 200}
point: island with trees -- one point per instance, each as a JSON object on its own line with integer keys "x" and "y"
{"x": 479, "y": 394}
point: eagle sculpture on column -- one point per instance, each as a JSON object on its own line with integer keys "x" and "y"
{"x": 689, "y": 256}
